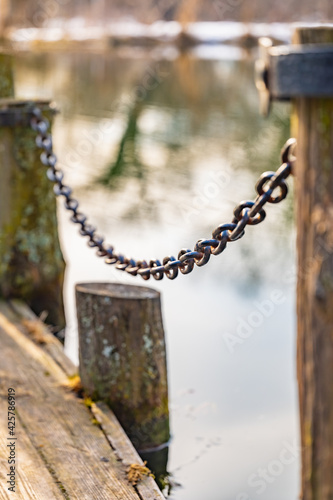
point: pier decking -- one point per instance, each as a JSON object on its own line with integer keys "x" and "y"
{"x": 63, "y": 446}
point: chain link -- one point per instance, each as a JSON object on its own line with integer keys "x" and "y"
{"x": 246, "y": 213}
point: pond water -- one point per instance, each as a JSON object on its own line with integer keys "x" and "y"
{"x": 160, "y": 148}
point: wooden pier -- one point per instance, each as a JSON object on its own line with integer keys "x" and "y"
{"x": 66, "y": 447}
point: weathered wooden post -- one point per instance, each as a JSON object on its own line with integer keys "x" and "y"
{"x": 313, "y": 117}
{"x": 123, "y": 357}
{"x": 6, "y": 76}
{"x": 304, "y": 73}
{"x": 31, "y": 263}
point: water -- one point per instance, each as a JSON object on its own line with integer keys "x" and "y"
{"x": 159, "y": 152}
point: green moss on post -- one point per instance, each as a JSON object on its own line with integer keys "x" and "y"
{"x": 123, "y": 357}
{"x": 6, "y": 76}
{"x": 31, "y": 262}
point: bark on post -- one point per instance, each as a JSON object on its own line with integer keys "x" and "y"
{"x": 123, "y": 357}
{"x": 313, "y": 123}
{"x": 31, "y": 262}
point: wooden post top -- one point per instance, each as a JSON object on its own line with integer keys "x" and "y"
{"x": 302, "y": 69}
{"x": 313, "y": 33}
{"x": 118, "y": 290}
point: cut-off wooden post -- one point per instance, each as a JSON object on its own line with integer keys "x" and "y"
{"x": 123, "y": 357}
{"x": 313, "y": 126}
{"x": 31, "y": 262}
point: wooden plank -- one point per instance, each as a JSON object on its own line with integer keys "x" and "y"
{"x": 124, "y": 449}
{"x": 48, "y": 342}
{"x": 29, "y": 348}
{"x": 33, "y": 480}
{"x": 119, "y": 441}
{"x": 58, "y": 424}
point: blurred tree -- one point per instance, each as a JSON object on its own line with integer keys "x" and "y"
{"x": 127, "y": 162}
{"x": 187, "y": 12}
{"x": 32, "y": 13}
{"x": 4, "y": 11}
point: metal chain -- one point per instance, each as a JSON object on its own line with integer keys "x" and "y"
{"x": 246, "y": 213}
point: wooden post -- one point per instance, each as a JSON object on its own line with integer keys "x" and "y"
{"x": 31, "y": 263}
{"x": 6, "y": 76}
{"x": 313, "y": 124}
{"x": 123, "y": 357}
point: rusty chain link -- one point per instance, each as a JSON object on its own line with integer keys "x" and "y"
{"x": 246, "y": 213}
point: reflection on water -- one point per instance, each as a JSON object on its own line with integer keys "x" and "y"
{"x": 159, "y": 153}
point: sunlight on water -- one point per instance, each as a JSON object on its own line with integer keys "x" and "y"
{"x": 159, "y": 153}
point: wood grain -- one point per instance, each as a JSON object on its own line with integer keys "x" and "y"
{"x": 34, "y": 481}
{"x": 57, "y": 436}
{"x": 123, "y": 448}
{"x": 50, "y": 343}
{"x": 313, "y": 119}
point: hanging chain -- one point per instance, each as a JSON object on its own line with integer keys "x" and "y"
{"x": 246, "y": 213}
